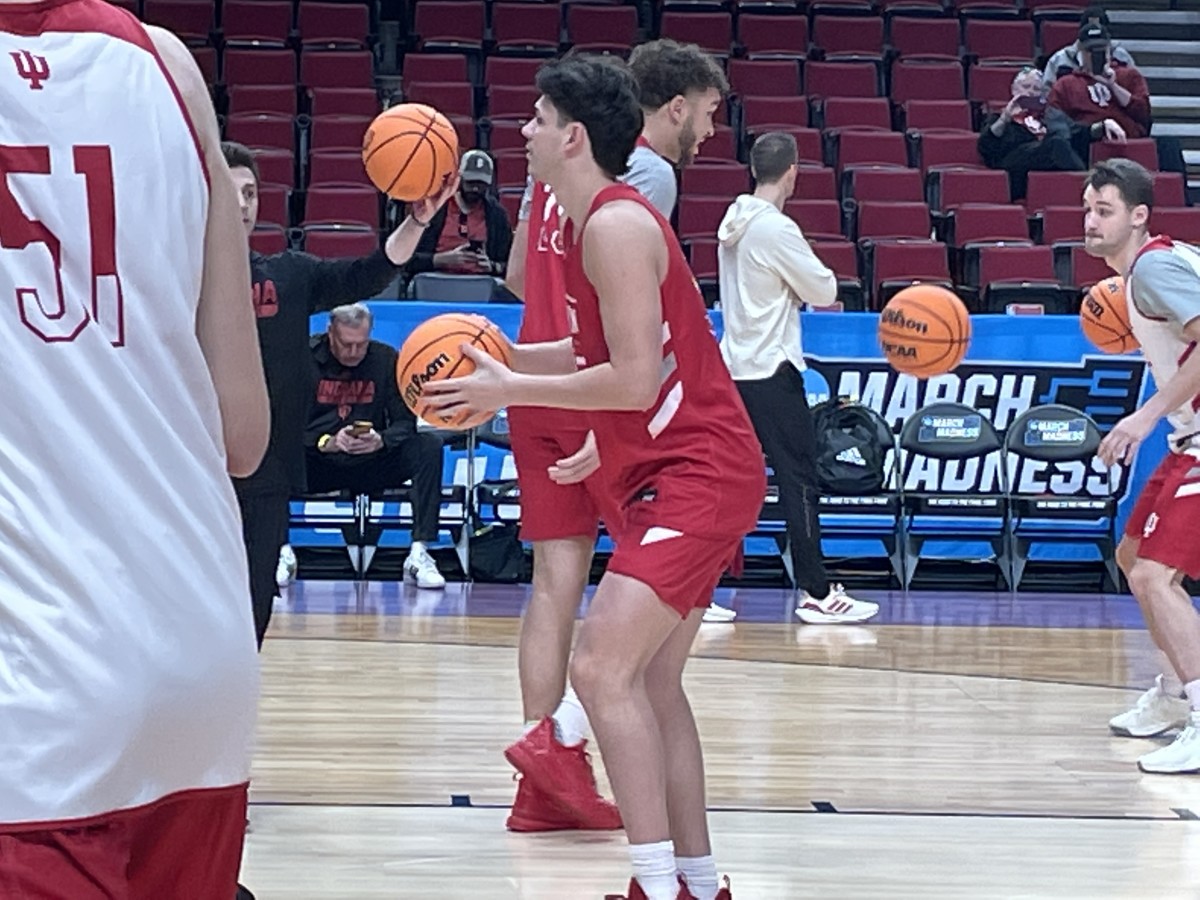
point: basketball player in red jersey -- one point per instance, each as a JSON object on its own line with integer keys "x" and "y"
{"x": 681, "y": 88}
{"x": 674, "y": 439}
{"x": 1159, "y": 547}
{"x": 128, "y": 678}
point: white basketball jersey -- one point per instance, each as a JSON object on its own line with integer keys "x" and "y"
{"x": 127, "y": 662}
{"x": 1163, "y": 342}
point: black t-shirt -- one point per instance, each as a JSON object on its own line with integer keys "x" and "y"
{"x": 289, "y": 287}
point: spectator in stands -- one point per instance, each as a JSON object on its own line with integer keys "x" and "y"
{"x": 1071, "y": 57}
{"x": 362, "y": 437}
{"x": 472, "y": 234}
{"x": 1105, "y": 99}
{"x": 767, "y": 270}
{"x": 1028, "y": 135}
{"x": 287, "y": 288}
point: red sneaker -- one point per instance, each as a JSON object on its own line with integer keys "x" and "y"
{"x": 564, "y": 775}
{"x": 636, "y": 893}
{"x": 534, "y": 811}
{"x": 723, "y": 894}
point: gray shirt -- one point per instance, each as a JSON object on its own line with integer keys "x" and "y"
{"x": 648, "y": 172}
{"x": 654, "y": 179}
{"x": 1167, "y": 287}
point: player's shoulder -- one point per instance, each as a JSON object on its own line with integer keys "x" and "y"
{"x": 621, "y": 216}
{"x": 1168, "y": 261}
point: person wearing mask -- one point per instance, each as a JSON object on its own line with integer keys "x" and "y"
{"x": 471, "y": 235}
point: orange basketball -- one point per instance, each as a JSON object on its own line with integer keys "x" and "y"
{"x": 431, "y": 353}
{"x": 924, "y": 330}
{"x": 410, "y": 151}
{"x": 1104, "y": 316}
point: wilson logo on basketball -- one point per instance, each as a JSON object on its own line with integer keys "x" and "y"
{"x": 416, "y": 383}
{"x": 897, "y": 318}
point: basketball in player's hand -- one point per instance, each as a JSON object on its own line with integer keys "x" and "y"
{"x": 410, "y": 151}
{"x": 1104, "y": 315}
{"x": 924, "y": 330}
{"x": 432, "y": 353}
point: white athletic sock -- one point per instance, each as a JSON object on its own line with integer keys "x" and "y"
{"x": 700, "y": 873}
{"x": 1192, "y": 690}
{"x": 1170, "y": 681}
{"x": 654, "y": 869}
{"x": 570, "y": 721}
{"x": 418, "y": 547}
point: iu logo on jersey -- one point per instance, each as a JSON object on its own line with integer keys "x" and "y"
{"x": 31, "y": 67}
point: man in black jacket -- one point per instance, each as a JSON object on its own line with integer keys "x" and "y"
{"x": 362, "y": 437}
{"x": 1028, "y": 135}
{"x": 472, "y": 235}
{"x": 287, "y": 288}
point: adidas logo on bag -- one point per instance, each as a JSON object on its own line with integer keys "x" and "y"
{"x": 852, "y": 456}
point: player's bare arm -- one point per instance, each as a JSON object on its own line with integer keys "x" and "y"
{"x": 625, "y": 258}
{"x": 225, "y": 324}
{"x": 402, "y": 243}
{"x": 1122, "y": 441}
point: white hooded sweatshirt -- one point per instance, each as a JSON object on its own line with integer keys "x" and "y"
{"x": 767, "y": 270}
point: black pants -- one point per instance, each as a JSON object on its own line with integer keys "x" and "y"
{"x": 264, "y": 529}
{"x": 1051, "y": 154}
{"x": 778, "y": 408}
{"x": 418, "y": 457}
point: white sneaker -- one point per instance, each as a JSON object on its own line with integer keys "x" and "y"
{"x": 285, "y": 571}
{"x": 716, "y": 613}
{"x": 1181, "y": 756}
{"x": 839, "y": 608}
{"x": 1156, "y": 712}
{"x": 421, "y": 568}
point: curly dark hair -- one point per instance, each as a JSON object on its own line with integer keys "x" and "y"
{"x": 1132, "y": 180}
{"x": 666, "y": 69}
{"x": 598, "y": 92}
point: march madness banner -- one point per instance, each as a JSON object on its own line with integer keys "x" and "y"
{"x": 1013, "y": 362}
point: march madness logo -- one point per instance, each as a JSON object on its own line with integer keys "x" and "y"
{"x": 1106, "y": 388}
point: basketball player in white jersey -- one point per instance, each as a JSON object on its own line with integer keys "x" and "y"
{"x": 128, "y": 672}
{"x": 1159, "y": 547}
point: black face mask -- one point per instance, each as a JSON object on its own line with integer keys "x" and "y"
{"x": 471, "y": 195}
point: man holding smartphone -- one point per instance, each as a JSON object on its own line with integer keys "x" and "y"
{"x": 471, "y": 235}
{"x": 362, "y": 437}
{"x": 1105, "y": 99}
{"x": 1028, "y": 135}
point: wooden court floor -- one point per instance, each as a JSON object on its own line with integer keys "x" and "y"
{"x": 958, "y": 749}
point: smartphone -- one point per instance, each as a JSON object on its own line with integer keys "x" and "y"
{"x": 475, "y": 246}
{"x": 1099, "y": 60}
{"x": 1035, "y": 103}
{"x": 358, "y": 429}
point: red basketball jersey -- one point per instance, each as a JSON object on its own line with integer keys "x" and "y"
{"x": 694, "y": 449}
{"x": 545, "y": 317}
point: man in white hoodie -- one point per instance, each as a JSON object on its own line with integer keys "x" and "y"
{"x": 767, "y": 270}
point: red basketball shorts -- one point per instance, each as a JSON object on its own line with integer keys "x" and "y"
{"x": 681, "y": 566}
{"x": 1166, "y": 517}
{"x": 552, "y": 511}
{"x": 186, "y": 845}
